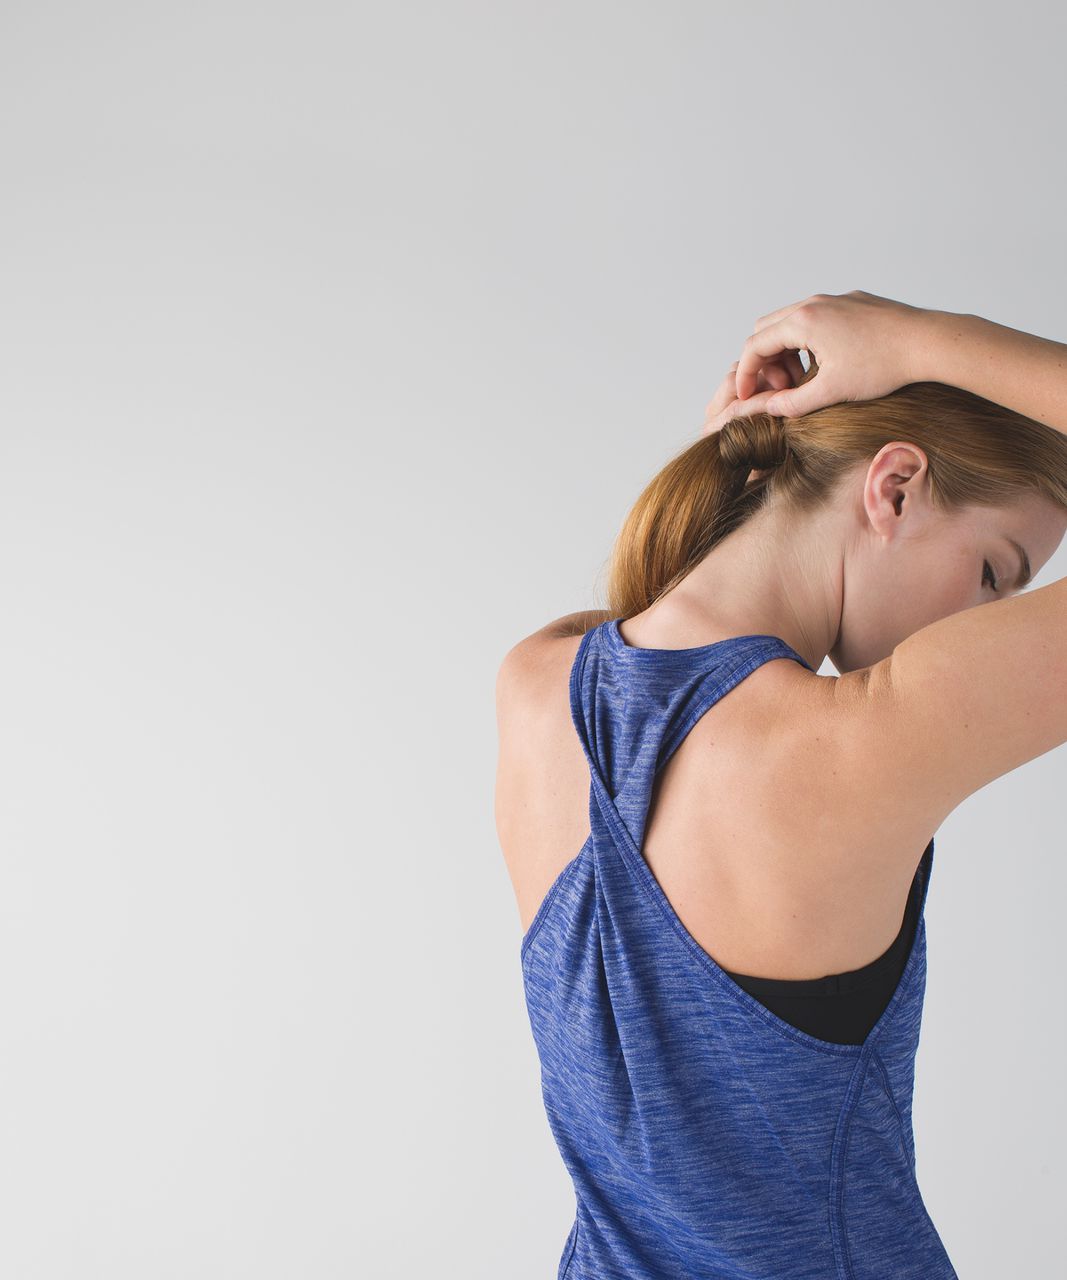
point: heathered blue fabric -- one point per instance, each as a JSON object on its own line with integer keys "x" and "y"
{"x": 707, "y": 1138}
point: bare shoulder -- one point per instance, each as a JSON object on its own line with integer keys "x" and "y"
{"x": 542, "y": 783}
{"x": 955, "y": 706}
{"x": 837, "y": 770}
{"x": 531, "y": 683}
{"x": 531, "y": 667}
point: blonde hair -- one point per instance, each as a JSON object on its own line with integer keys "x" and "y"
{"x": 979, "y": 453}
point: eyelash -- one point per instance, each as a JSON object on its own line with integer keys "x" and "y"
{"x": 988, "y": 567}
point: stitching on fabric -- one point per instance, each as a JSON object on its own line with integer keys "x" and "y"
{"x": 838, "y": 1154}
{"x": 896, "y": 1109}
{"x": 909, "y": 1158}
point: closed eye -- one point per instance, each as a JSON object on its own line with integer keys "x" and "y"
{"x": 987, "y": 572}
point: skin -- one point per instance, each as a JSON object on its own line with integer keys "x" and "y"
{"x": 819, "y": 883}
{"x": 852, "y": 580}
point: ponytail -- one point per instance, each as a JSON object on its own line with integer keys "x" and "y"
{"x": 979, "y": 453}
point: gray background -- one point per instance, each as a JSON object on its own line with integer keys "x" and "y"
{"x": 336, "y": 345}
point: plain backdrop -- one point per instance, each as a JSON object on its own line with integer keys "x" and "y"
{"x": 337, "y": 342}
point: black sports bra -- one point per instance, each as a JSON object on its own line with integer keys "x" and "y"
{"x": 859, "y": 996}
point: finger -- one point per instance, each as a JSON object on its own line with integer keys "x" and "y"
{"x": 792, "y": 361}
{"x": 773, "y": 377}
{"x": 772, "y": 317}
{"x": 724, "y": 393}
{"x": 785, "y": 371}
{"x": 816, "y": 393}
{"x": 763, "y": 346}
{"x": 739, "y": 409}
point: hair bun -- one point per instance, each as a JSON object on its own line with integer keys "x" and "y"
{"x": 755, "y": 443}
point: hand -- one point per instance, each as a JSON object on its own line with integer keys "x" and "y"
{"x": 786, "y": 371}
{"x": 864, "y": 347}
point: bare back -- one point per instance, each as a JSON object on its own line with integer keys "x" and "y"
{"x": 787, "y": 828}
{"x": 775, "y": 868}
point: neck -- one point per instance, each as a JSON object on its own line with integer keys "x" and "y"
{"x": 778, "y": 574}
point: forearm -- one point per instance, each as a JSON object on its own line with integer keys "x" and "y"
{"x": 1018, "y": 370}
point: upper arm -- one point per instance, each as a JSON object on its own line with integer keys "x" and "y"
{"x": 524, "y": 704}
{"x": 530, "y": 661}
{"x": 962, "y": 701}
{"x": 533, "y": 703}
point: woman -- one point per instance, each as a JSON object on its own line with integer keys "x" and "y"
{"x": 725, "y": 983}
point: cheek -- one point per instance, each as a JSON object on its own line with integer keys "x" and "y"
{"x": 963, "y": 589}
{"x": 943, "y": 580}
{"x": 943, "y": 594}
{"x": 927, "y": 597}
{"x": 880, "y": 613}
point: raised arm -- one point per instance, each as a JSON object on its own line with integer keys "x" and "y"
{"x": 1018, "y": 370}
{"x": 866, "y": 346}
{"x": 974, "y": 695}
{"x": 980, "y": 692}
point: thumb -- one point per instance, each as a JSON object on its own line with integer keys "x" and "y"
{"x": 798, "y": 401}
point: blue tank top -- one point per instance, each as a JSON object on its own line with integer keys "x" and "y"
{"x": 706, "y": 1137}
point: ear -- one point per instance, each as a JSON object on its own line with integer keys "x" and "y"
{"x": 897, "y": 486}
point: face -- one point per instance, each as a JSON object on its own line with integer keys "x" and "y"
{"x": 907, "y": 564}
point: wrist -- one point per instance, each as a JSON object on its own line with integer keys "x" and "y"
{"x": 937, "y": 342}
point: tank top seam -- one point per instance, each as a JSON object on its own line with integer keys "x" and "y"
{"x": 868, "y": 1051}
{"x": 884, "y": 1076}
{"x": 838, "y": 1153}
{"x": 842, "y": 1250}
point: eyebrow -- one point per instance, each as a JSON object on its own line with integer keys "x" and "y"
{"x": 1024, "y": 560}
